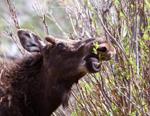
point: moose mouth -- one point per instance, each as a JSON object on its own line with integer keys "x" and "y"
{"x": 92, "y": 63}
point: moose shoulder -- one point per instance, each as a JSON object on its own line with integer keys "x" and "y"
{"x": 37, "y": 84}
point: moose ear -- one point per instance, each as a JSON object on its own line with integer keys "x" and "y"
{"x": 51, "y": 40}
{"x": 30, "y": 41}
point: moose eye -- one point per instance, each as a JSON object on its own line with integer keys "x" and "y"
{"x": 61, "y": 45}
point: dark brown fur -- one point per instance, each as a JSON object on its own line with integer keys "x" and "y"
{"x": 36, "y": 85}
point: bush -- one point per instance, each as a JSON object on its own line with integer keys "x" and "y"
{"x": 122, "y": 87}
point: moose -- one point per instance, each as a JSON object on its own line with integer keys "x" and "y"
{"x": 38, "y": 83}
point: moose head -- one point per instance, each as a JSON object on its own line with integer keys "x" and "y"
{"x": 61, "y": 64}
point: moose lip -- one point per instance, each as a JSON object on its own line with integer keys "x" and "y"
{"x": 92, "y": 63}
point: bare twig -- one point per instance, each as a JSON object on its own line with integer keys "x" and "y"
{"x": 45, "y": 25}
{"x": 52, "y": 17}
{"x": 13, "y": 13}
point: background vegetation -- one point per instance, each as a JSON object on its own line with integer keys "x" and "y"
{"x": 122, "y": 87}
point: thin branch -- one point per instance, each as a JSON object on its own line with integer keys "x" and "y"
{"x": 13, "y": 13}
{"x": 45, "y": 25}
{"x": 51, "y": 17}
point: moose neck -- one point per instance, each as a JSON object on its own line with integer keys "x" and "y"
{"x": 45, "y": 91}
{"x": 56, "y": 91}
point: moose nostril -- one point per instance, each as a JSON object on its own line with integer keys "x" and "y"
{"x": 102, "y": 49}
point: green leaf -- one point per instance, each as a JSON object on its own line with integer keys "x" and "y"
{"x": 74, "y": 113}
{"x": 117, "y": 2}
{"x": 96, "y": 46}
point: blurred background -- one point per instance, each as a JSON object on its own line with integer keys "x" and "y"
{"x": 122, "y": 87}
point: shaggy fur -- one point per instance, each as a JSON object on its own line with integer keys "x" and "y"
{"x": 36, "y": 85}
